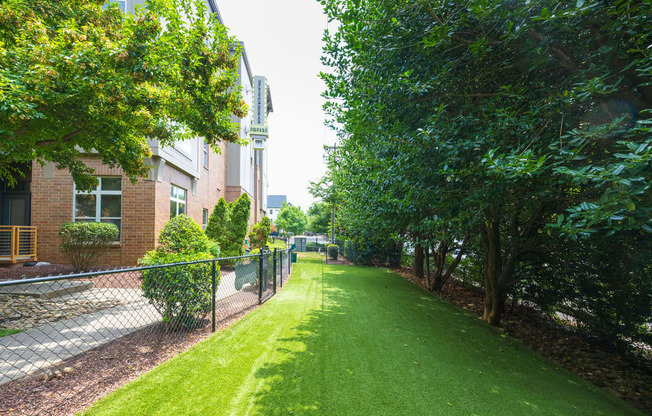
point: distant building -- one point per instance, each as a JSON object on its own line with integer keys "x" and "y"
{"x": 247, "y": 165}
{"x": 274, "y": 204}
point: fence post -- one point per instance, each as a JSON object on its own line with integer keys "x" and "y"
{"x": 275, "y": 270}
{"x": 290, "y": 260}
{"x": 260, "y": 277}
{"x": 213, "y": 290}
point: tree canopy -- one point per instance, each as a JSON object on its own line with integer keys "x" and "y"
{"x": 504, "y": 124}
{"x": 79, "y": 76}
{"x": 291, "y": 220}
{"x": 319, "y": 217}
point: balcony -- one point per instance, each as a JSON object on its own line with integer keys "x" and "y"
{"x": 17, "y": 244}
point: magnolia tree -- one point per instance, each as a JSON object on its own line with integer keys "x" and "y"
{"x": 81, "y": 76}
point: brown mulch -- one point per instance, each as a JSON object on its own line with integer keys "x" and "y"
{"x": 341, "y": 261}
{"x": 629, "y": 378}
{"x": 101, "y": 370}
{"x": 20, "y": 272}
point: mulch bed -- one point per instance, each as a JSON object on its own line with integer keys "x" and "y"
{"x": 341, "y": 261}
{"x": 629, "y": 378}
{"x": 20, "y": 272}
{"x": 103, "y": 369}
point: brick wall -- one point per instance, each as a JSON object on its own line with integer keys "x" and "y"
{"x": 145, "y": 206}
{"x": 52, "y": 206}
{"x": 210, "y": 187}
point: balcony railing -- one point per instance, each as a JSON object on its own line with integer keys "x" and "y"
{"x": 17, "y": 243}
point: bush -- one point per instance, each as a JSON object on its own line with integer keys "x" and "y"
{"x": 333, "y": 251}
{"x": 260, "y": 233}
{"x": 214, "y": 249}
{"x": 239, "y": 211}
{"x": 181, "y": 294}
{"x": 84, "y": 243}
{"x": 182, "y": 235}
{"x": 218, "y": 223}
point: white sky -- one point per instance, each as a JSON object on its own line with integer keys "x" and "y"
{"x": 283, "y": 43}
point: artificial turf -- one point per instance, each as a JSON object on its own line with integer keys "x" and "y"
{"x": 343, "y": 340}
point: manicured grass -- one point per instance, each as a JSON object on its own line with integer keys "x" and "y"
{"x": 358, "y": 341}
{"x": 5, "y": 332}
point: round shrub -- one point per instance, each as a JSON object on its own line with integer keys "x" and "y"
{"x": 84, "y": 243}
{"x": 181, "y": 294}
{"x": 182, "y": 235}
{"x": 333, "y": 251}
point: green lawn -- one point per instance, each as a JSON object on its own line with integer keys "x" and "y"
{"x": 358, "y": 341}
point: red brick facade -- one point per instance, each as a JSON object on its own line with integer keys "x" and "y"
{"x": 145, "y": 205}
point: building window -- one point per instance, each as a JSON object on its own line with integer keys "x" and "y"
{"x": 204, "y": 217}
{"x": 177, "y": 201}
{"x": 102, "y": 204}
{"x": 206, "y": 152}
{"x": 271, "y": 211}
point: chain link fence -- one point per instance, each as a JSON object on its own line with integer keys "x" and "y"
{"x": 47, "y": 321}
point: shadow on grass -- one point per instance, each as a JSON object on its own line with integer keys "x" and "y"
{"x": 379, "y": 345}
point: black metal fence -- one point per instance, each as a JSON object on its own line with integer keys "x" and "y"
{"x": 51, "y": 322}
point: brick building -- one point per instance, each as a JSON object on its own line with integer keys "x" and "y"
{"x": 188, "y": 178}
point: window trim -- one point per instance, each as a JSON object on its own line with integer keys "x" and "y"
{"x": 98, "y": 192}
{"x": 204, "y": 217}
{"x": 205, "y": 154}
{"x": 177, "y": 200}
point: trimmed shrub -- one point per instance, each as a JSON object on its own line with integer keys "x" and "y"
{"x": 333, "y": 251}
{"x": 218, "y": 223}
{"x": 84, "y": 243}
{"x": 214, "y": 249}
{"x": 260, "y": 233}
{"x": 182, "y": 235}
{"x": 181, "y": 294}
{"x": 238, "y": 226}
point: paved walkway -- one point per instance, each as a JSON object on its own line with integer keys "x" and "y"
{"x": 29, "y": 351}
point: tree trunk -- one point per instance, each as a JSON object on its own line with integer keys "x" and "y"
{"x": 440, "y": 264}
{"x": 418, "y": 261}
{"x": 445, "y": 275}
{"x": 427, "y": 260}
{"x": 494, "y": 299}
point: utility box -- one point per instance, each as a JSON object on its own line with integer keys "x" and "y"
{"x": 300, "y": 243}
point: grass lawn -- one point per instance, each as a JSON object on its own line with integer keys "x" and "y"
{"x": 342, "y": 340}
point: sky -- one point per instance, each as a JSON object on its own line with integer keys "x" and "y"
{"x": 283, "y": 42}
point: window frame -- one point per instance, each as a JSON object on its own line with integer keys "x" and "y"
{"x": 204, "y": 216}
{"x": 205, "y": 154}
{"x": 98, "y": 192}
{"x": 178, "y": 200}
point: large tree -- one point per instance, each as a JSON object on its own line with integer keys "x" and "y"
{"x": 80, "y": 76}
{"x": 502, "y": 121}
{"x": 291, "y": 219}
{"x": 319, "y": 217}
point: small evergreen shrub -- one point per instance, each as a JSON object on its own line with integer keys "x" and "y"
{"x": 218, "y": 223}
{"x": 260, "y": 233}
{"x": 239, "y": 211}
{"x": 214, "y": 249}
{"x": 182, "y": 235}
{"x": 181, "y": 294}
{"x": 333, "y": 251}
{"x": 84, "y": 243}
